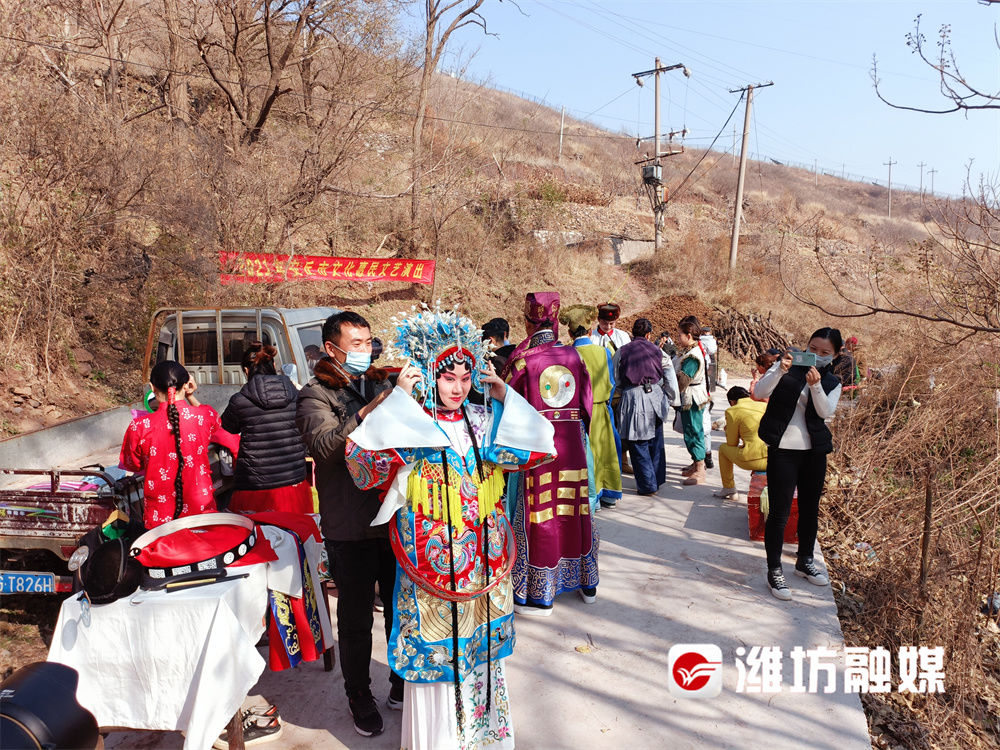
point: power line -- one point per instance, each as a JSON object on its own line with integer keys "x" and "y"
{"x": 607, "y": 104}
{"x": 639, "y": 27}
{"x": 708, "y": 150}
{"x": 645, "y": 22}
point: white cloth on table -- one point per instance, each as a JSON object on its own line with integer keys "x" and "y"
{"x": 183, "y": 660}
{"x": 429, "y": 721}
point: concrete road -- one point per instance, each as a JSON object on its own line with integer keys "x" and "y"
{"x": 676, "y": 568}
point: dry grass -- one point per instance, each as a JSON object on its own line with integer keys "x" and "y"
{"x": 905, "y": 441}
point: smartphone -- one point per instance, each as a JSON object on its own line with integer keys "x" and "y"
{"x": 803, "y": 359}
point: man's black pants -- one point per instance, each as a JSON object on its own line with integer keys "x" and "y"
{"x": 356, "y": 567}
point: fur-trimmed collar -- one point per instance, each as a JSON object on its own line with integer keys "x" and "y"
{"x": 332, "y": 376}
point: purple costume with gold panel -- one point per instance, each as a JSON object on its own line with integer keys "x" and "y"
{"x": 556, "y": 539}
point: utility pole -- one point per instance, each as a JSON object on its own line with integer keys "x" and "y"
{"x": 562, "y": 124}
{"x": 653, "y": 178}
{"x": 889, "y": 164}
{"x": 932, "y": 172}
{"x": 738, "y": 210}
{"x": 816, "y": 172}
{"x": 921, "y": 165}
{"x": 658, "y": 211}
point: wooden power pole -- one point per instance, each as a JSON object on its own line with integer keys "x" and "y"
{"x": 738, "y": 210}
{"x": 653, "y": 178}
{"x": 562, "y": 124}
{"x": 889, "y": 164}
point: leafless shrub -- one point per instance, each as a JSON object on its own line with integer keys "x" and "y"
{"x": 924, "y": 436}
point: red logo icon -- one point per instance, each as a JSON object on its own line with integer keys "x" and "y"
{"x": 695, "y": 670}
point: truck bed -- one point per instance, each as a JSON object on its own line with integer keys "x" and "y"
{"x": 34, "y": 519}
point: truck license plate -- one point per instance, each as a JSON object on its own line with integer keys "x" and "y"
{"x": 27, "y": 583}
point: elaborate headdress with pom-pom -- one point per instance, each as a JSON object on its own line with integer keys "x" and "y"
{"x": 432, "y": 339}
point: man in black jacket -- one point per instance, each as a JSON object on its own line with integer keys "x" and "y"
{"x": 345, "y": 388}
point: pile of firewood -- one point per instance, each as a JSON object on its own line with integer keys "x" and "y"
{"x": 746, "y": 335}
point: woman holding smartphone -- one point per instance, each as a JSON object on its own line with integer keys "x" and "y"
{"x": 801, "y": 397}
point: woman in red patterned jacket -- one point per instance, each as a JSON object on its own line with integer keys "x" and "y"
{"x": 175, "y": 435}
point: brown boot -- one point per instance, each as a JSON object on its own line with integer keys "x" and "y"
{"x": 626, "y": 466}
{"x": 697, "y": 476}
{"x": 689, "y": 469}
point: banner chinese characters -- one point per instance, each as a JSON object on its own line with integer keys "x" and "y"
{"x": 251, "y": 268}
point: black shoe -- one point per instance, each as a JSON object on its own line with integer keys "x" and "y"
{"x": 776, "y": 582}
{"x": 367, "y": 719}
{"x": 256, "y": 731}
{"x": 395, "y": 699}
{"x": 806, "y": 568}
{"x": 709, "y": 463}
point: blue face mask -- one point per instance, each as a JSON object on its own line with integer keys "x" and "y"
{"x": 823, "y": 360}
{"x": 357, "y": 363}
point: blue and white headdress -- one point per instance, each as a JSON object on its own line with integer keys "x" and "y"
{"x": 432, "y": 339}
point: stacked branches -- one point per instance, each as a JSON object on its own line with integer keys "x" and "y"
{"x": 745, "y": 335}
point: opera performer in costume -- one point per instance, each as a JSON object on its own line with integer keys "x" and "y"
{"x": 440, "y": 461}
{"x": 604, "y": 441}
{"x": 606, "y": 334}
{"x": 556, "y": 538}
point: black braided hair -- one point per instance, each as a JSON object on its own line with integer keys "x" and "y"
{"x": 167, "y": 377}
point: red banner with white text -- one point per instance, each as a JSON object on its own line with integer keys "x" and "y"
{"x": 252, "y": 268}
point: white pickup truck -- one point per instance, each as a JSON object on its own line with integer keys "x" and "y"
{"x": 53, "y": 488}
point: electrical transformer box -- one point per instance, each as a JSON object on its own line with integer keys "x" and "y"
{"x": 652, "y": 174}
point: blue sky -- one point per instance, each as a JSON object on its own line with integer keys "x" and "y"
{"x": 822, "y": 109}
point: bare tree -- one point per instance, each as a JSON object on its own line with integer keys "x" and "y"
{"x": 954, "y": 280}
{"x": 175, "y": 85}
{"x": 964, "y": 94}
{"x": 241, "y": 42}
{"x": 437, "y": 31}
{"x": 951, "y": 279}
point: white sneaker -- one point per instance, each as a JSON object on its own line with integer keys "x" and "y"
{"x": 727, "y": 492}
{"x": 588, "y": 598}
{"x": 776, "y": 582}
{"x": 807, "y": 569}
{"x": 530, "y": 610}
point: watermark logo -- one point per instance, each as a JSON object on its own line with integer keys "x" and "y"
{"x": 694, "y": 670}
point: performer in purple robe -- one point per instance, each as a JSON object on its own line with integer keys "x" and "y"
{"x": 556, "y": 538}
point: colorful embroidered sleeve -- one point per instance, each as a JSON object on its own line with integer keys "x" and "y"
{"x": 373, "y": 469}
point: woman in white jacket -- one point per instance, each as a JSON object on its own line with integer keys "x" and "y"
{"x": 800, "y": 400}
